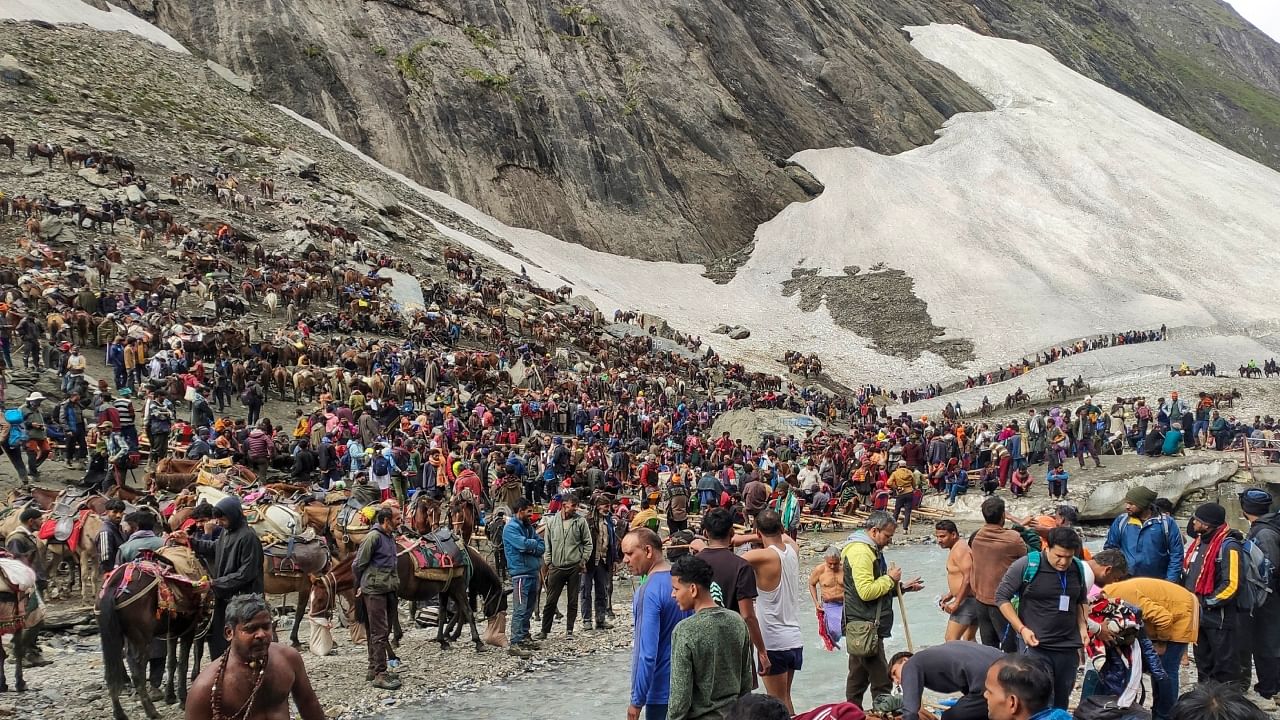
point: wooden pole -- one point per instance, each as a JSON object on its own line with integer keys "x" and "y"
{"x": 906, "y": 626}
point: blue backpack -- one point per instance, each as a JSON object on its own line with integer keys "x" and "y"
{"x": 17, "y": 427}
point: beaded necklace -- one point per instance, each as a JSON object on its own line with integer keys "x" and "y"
{"x": 243, "y": 712}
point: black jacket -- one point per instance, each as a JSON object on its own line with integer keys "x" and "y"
{"x": 237, "y": 555}
{"x": 109, "y": 541}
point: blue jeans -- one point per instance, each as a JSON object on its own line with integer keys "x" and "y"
{"x": 524, "y": 590}
{"x": 1166, "y": 693}
{"x": 655, "y": 712}
{"x": 953, "y": 489}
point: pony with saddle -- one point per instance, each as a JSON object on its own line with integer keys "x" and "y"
{"x": 427, "y": 568}
{"x": 159, "y": 596}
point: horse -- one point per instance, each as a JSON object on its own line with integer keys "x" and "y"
{"x": 413, "y": 588}
{"x": 43, "y": 150}
{"x": 7, "y": 141}
{"x": 289, "y": 571}
{"x": 423, "y": 513}
{"x": 135, "y": 615}
{"x": 83, "y": 561}
{"x": 23, "y": 637}
{"x": 462, "y": 516}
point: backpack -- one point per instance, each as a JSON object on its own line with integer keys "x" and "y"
{"x": 1033, "y": 567}
{"x": 1258, "y": 570}
{"x": 381, "y": 466}
{"x": 17, "y": 427}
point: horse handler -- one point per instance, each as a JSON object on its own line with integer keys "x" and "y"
{"x": 375, "y": 572}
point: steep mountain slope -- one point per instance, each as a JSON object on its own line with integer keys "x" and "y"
{"x": 657, "y": 128}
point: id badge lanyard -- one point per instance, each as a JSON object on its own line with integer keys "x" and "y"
{"x": 1064, "y": 601}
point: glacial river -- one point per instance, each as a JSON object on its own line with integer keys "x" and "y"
{"x": 599, "y": 687}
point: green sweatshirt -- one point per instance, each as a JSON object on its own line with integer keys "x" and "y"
{"x": 711, "y": 664}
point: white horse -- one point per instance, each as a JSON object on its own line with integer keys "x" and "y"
{"x": 272, "y": 301}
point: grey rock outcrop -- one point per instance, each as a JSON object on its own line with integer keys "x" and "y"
{"x": 13, "y": 72}
{"x": 661, "y": 129}
{"x": 96, "y": 179}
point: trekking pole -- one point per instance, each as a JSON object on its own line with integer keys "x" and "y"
{"x": 906, "y": 626}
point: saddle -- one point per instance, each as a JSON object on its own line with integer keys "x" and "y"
{"x": 299, "y": 555}
{"x": 176, "y": 594}
{"x": 350, "y": 519}
{"x": 436, "y": 556}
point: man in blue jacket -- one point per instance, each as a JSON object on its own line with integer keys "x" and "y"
{"x": 1151, "y": 542}
{"x": 524, "y": 550}
{"x": 655, "y": 613}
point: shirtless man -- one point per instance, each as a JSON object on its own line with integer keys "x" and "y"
{"x": 777, "y": 566}
{"x": 255, "y": 677}
{"x": 959, "y": 603}
{"x": 829, "y": 578}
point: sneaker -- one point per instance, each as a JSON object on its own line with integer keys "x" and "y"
{"x": 1263, "y": 703}
{"x": 393, "y": 665}
{"x": 530, "y": 645}
{"x": 541, "y": 636}
{"x": 368, "y": 677}
{"x": 383, "y": 681}
{"x": 569, "y": 633}
{"x": 520, "y": 652}
{"x": 603, "y": 624}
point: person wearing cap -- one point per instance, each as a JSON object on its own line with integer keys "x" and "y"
{"x": 597, "y": 581}
{"x": 128, "y": 416}
{"x": 1260, "y": 632}
{"x": 1151, "y": 541}
{"x": 902, "y": 482}
{"x": 38, "y": 446}
{"x": 1214, "y": 573}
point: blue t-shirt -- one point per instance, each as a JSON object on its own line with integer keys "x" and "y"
{"x": 656, "y": 614}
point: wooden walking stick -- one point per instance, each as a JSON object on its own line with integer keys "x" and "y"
{"x": 906, "y": 626}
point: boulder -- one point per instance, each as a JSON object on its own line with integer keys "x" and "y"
{"x": 50, "y": 228}
{"x": 133, "y": 195}
{"x": 32, "y": 170}
{"x": 94, "y": 178}
{"x": 752, "y": 425}
{"x": 296, "y": 162}
{"x": 1106, "y": 501}
{"x": 377, "y": 197}
{"x": 721, "y": 329}
{"x": 13, "y": 72}
{"x": 739, "y": 333}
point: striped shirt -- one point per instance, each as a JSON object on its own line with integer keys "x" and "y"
{"x": 124, "y": 406}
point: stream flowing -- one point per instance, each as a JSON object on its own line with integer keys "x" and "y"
{"x": 600, "y": 686}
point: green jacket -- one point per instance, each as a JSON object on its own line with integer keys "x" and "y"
{"x": 568, "y": 541}
{"x": 375, "y": 564}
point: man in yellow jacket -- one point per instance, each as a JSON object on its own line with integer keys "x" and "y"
{"x": 869, "y": 588}
{"x": 902, "y": 482}
{"x": 1170, "y": 612}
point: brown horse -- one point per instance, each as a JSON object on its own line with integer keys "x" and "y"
{"x": 135, "y": 615}
{"x": 84, "y": 569}
{"x": 423, "y": 514}
{"x": 462, "y": 516}
{"x": 284, "y": 574}
{"x": 23, "y": 638}
{"x": 43, "y": 150}
{"x": 7, "y": 141}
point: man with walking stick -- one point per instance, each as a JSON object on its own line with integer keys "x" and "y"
{"x": 869, "y": 586}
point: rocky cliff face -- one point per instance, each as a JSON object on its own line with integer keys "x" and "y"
{"x": 659, "y": 129}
